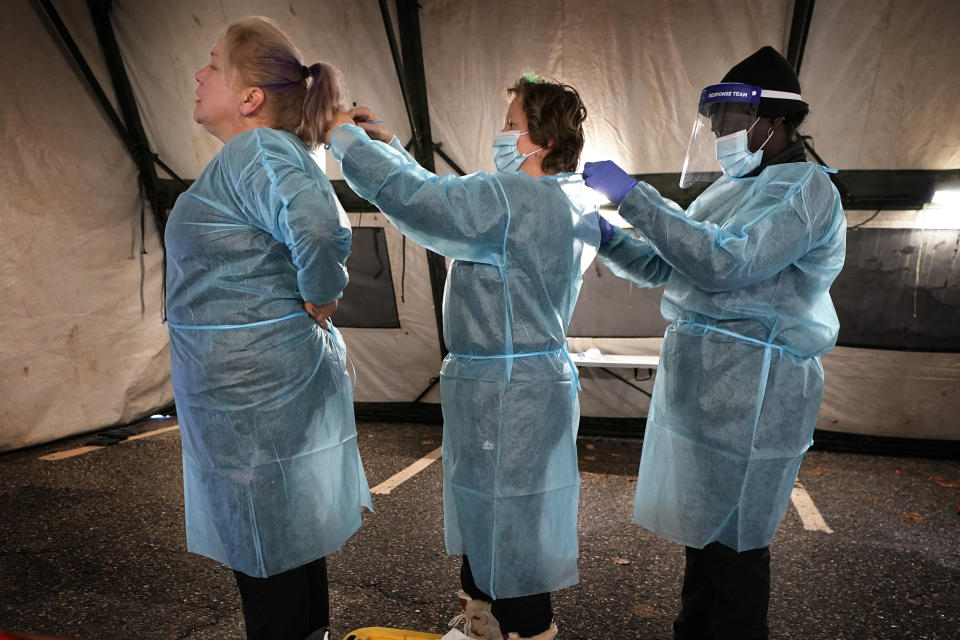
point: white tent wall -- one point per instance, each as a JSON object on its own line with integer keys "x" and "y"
{"x": 77, "y": 350}
{"x": 638, "y": 65}
{"x": 883, "y": 393}
{"x": 396, "y": 365}
{"x": 882, "y": 81}
{"x": 78, "y": 353}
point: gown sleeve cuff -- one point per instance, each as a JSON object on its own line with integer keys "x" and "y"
{"x": 343, "y": 137}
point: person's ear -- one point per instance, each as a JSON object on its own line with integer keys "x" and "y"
{"x": 771, "y": 126}
{"x": 545, "y": 151}
{"x": 251, "y": 100}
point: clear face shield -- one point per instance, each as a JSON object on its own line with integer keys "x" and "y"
{"x": 726, "y": 113}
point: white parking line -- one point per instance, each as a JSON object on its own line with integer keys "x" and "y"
{"x": 147, "y": 434}
{"x": 69, "y": 453}
{"x": 397, "y": 479}
{"x": 61, "y": 455}
{"x": 809, "y": 514}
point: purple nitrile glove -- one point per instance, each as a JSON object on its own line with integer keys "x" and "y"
{"x": 606, "y": 231}
{"x": 609, "y": 179}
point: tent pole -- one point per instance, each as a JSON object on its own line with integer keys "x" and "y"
{"x": 438, "y": 147}
{"x": 398, "y": 66}
{"x": 88, "y": 75}
{"x": 160, "y": 199}
{"x": 799, "y": 29}
{"x": 414, "y": 87}
{"x": 131, "y": 134}
{"x": 414, "y": 79}
{"x": 143, "y": 156}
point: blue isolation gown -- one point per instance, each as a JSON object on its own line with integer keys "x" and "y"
{"x": 748, "y": 270}
{"x": 509, "y": 397}
{"x": 271, "y": 472}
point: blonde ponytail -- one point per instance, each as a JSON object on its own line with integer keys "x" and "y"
{"x": 298, "y": 99}
{"x": 325, "y": 96}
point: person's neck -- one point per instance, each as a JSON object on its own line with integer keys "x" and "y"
{"x": 791, "y": 152}
{"x": 532, "y": 167}
{"x": 239, "y": 126}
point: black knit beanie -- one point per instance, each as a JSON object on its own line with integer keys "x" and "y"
{"x": 769, "y": 70}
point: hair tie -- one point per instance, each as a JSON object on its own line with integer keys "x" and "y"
{"x": 305, "y": 71}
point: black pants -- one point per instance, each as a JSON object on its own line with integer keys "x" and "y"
{"x": 725, "y": 594}
{"x": 527, "y": 616}
{"x": 288, "y": 606}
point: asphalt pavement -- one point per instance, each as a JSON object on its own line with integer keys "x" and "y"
{"x": 92, "y": 546}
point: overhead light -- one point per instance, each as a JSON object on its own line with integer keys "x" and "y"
{"x": 943, "y": 212}
{"x": 947, "y": 198}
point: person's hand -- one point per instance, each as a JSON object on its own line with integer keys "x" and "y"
{"x": 364, "y": 118}
{"x": 609, "y": 179}
{"x": 321, "y": 312}
{"x": 339, "y": 118}
{"x": 606, "y": 230}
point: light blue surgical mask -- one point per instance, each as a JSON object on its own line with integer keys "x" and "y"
{"x": 734, "y": 154}
{"x": 506, "y": 156}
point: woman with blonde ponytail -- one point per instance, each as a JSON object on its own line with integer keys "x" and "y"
{"x": 256, "y": 253}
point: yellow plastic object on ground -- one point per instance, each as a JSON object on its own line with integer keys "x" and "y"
{"x": 383, "y": 633}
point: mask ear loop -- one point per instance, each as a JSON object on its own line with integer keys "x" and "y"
{"x": 769, "y": 134}
{"x": 527, "y": 155}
